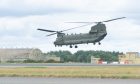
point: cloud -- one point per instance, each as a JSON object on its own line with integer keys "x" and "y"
{"x": 19, "y": 20}
{"x": 43, "y": 7}
{"x": 30, "y": 7}
{"x": 131, "y": 10}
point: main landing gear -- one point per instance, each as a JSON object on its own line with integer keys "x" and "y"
{"x": 70, "y": 46}
{"x": 75, "y": 46}
{"x": 98, "y": 43}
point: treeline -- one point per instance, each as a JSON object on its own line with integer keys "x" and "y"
{"x": 85, "y": 56}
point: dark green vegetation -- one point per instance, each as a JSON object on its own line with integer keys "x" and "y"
{"x": 85, "y": 56}
{"x": 79, "y": 56}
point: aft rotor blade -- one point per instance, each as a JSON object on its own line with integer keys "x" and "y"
{"x": 46, "y": 30}
{"x": 52, "y": 34}
{"x": 98, "y": 22}
{"x": 79, "y": 22}
{"x": 114, "y": 19}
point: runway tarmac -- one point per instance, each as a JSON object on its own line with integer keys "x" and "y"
{"x": 58, "y": 64}
{"x": 28, "y": 80}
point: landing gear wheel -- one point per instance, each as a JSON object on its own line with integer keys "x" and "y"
{"x": 70, "y": 46}
{"x": 99, "y": 43}
{"x": 76, "y": 46}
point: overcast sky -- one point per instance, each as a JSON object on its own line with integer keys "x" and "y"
{"x": 19, "y": 20}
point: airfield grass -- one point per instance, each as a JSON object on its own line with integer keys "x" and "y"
{"x": 74, "y": 72}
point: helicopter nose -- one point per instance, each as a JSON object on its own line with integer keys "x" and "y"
{"x": 56, "y": 43}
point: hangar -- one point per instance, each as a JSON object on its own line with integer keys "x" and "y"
{"x": 20, "y": 54}
{"x": 130, "y": 58}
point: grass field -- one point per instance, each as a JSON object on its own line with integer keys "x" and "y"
{"x": 85, "y": 72}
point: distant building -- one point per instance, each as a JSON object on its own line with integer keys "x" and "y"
{"x": 94, "y": 60}
{"x": 97, "y": 60}
{"x": 129, "y": 58}
{"x": 20, "y": 54}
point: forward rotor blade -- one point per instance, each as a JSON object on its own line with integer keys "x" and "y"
{"x": 76, "y": 27}
{"x": 52, "y": 34}
{"x": 68, "y": 29}
{"x": 114, "y": 19}
{"x": 46, "y": 30}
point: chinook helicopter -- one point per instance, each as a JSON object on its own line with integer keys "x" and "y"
{"x": 95, "y": 35}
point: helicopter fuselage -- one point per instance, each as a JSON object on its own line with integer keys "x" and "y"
{"x": 96, "y": 34}
{"x": 79, "y": 39}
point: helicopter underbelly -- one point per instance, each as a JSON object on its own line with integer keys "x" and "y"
{"x": 80, "y": 39}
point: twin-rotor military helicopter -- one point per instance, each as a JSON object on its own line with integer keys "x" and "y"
{"x": 95, "y": 35}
